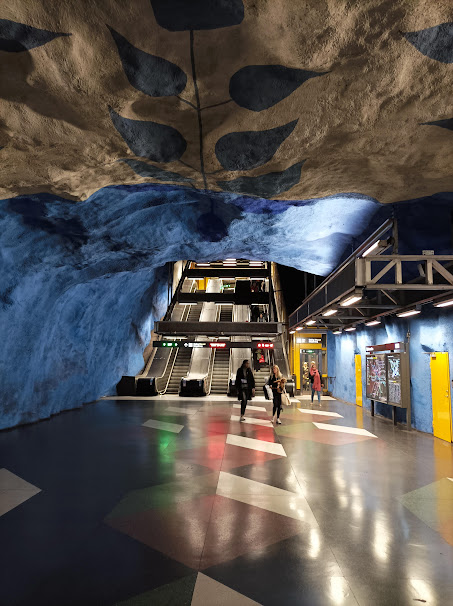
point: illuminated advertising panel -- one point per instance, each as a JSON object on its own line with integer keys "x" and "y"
{"x": 376, "y": 377}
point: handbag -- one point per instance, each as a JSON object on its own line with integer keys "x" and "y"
{"x": 268, "y": 389}
{"x": 285, "y": 399}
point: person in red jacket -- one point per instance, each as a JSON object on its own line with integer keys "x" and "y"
{"x": 315, "y": 381}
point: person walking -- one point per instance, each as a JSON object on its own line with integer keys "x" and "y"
{"x": 245, "y": 385}
{"x": 315, "y": 382}
{"x": 277, "y": 382}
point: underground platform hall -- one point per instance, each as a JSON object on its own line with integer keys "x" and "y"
{"x": 210, "y": 204}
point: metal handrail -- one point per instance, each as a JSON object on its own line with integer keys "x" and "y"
{"x": 173, "y": 353}
{"x": 184, "y": 317}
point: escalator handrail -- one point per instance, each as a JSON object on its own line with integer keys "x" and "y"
{"x": 184, "y": 317}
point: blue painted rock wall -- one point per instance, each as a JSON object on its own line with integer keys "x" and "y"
{"x": 430, "y": 331}
{"x": 83, "y": 283}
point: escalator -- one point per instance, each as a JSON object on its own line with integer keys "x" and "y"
{"x": 221, "y": 364}
{"x": 196, "y": 381}
{"x": 179, "y": 367}
{"x": 241, "y": 313}
{"x": 220, "y": 372}
{"x": 261, "y": 376}
{"x": 226, "y": 313}
{"x": 179, "y": 370}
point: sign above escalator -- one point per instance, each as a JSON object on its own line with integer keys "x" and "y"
{"x": 254, "y": 344}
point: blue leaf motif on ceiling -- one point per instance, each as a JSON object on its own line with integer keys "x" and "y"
{"x": 259, "y": 87}
{"x": 434, "y": 42}
{"x": 152, "y": 75}
{"x": 154, "y": 172}
{"x": 17, "y": 37}
{"x": 152, "y": 140}
{"x": 265, "y": 186}
{"x": 185, "y": 15}
{"x": 249, "y": 149}
{"x": 448, "y": 123}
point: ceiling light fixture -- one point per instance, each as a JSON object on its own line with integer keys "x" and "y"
{"x": 373, "y": 323}
{"x": 369, "y": 250}
{"x": 291, "y": 332}
{"x": 446, "y": 303}
{"x": 406, "y": 314}
{"x": 310, "y": 322}
{"x": 378, "y": 246}
{"x": 337, "y": 332}
{"x": 299, "y": 328}
{"x": 351, "y": 299}
{"x": 350, "y": 328}
{"x": 329, "y": 312}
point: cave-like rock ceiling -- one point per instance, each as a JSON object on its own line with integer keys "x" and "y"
{"x": 278, "y": 99}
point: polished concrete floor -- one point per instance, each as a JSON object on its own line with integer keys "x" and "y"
{"x": 172, "y": 501}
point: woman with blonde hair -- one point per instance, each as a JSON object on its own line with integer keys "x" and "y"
{"x": 277, "y": 382}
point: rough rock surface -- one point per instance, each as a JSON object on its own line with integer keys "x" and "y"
{"x": 362, "y": 79}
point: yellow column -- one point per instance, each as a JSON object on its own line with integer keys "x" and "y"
{"x": 441, "y": 395}
{"x": 358, "y": 380}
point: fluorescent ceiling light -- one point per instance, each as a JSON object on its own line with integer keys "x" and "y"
{"x": 372, "y": 247}
{"x": 444, "y": 303}
{"x": 291, "y": 332}
{"x": 337, "y": 332}
{"x": 203, "y": 264}
{"x": 373, "y": 323}
{"x": 310, "y": 322}
{"x": 350, "y": 328}
{"x": 350, "y": 300}
{"x": 230, "y": 259}
{"x": 299, "y": 328}
{"x": 405, "y": 314}
{"x": 329, "y": 312}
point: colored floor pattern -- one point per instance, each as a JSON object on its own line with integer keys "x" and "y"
{"x": 172, "y": 501}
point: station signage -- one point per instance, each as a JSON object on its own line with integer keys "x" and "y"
{"x": 215, "y": 344}
{"x": 312, "y": 340}
{"x": 385, "y": 347}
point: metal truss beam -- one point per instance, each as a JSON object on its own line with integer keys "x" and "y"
{"x": 432, "y": 272}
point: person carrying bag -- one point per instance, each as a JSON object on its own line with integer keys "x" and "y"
{"x": 285, "y": 397}
{"x": 277, "y": 383}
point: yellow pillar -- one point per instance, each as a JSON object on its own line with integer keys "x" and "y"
{"x": 441, "y": 395}
{"x": 358, "y": 380}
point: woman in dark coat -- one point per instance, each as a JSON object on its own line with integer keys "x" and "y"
{"x": 277, "y": 382}
{"x": 245, "y": 385}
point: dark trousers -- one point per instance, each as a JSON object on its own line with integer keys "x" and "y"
{"x": 277, "y": 399}
{"x": 243, "y": 403}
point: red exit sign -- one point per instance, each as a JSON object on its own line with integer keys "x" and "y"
{"x": 217, "y": 345}
{"x": 265, "y": 345}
